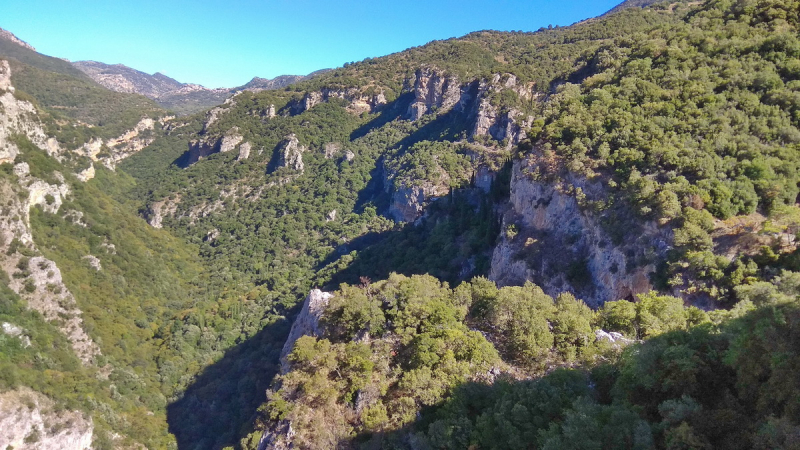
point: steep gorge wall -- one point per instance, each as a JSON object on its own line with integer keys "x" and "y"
{"x": 550, "y": 239}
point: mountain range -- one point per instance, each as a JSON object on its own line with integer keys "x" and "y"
{"x": 580, "y": 237}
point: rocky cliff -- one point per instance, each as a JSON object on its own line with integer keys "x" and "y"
{"x": 110, "y": 152}
{"x": 29, "y": 420}
{"x": 359, "y": 100}
{"x": 19, "y": 117}
{"x": 306, "y": 323}
{"x": 35, "y": 278}
{"x": 507, "y": 124}
{"x": 290, "y": 154}
{"x": 553, "y": 238}
{"x": 433, "y": 90}
{"x": 279, "y": 435}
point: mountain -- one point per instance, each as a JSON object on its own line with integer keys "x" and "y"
{"x": 9, "y": 36}
{"x": 121, "y": 78}
{"x": 582, "y": 237}
{"x": 182, "y": 98}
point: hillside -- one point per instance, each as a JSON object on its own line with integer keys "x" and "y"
{"x": 181, "y": 98}
{"x": 582, "y": 237}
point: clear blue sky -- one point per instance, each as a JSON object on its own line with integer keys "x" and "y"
{"x": 225, "y": 43}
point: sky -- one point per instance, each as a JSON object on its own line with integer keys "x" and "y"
{"x": 226, "y": 43}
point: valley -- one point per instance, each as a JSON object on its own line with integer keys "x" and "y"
{"x": 580, "y": 237}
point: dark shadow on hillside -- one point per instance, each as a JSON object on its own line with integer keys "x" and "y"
{"x": 450, "y": 126}
{"x": 391, "y": 112}
{"x": 375, "y": 192}
{"x": 221, "y": 404}
{"x": 452, "y": 242}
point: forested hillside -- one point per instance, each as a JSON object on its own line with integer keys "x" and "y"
{"x": 582, "y": 237}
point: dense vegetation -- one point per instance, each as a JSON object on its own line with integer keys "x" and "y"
{"x": 395, "y": 348}
{"x": 686, "y": 115}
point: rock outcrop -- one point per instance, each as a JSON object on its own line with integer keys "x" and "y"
{"x": 433, "y": 89}
{"x": 359, "y": 100}
{"x": 244, "y": 151}
{"x": 40, "y": 283}
{"x": 29, "y": 420}
{"x": 290, "y": 153}
{"x": 552, "y": 240}
{"x": 158, "y": 210}
{"x": 230, "y": 140}
{"x": 306, "y": 323}
{"x": 19, "y": 118}
{"x": 509, "y": 124}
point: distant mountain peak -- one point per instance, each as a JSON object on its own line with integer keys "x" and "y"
{"x": 9, "y": 36}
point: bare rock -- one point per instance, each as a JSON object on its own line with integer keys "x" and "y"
{"x": 291, "y": 153}
{"x": 554, "y": 234}
{"x": 17, "y": 332}
{"x": 332, "y": 149}
{"x": 231, "y": 139}
{"x": 613, "y": 338}
{"x": 306, "y": 323}
{"x": 433, "y": 89}
{"x": 94, "y": 262}
{"x": 30, "y": 420}
{"x": 244, "y": 151}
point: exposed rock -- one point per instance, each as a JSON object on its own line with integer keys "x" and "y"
{"x": 491, "y": 121}
{"x": 331, "y": 216}
{"x": 359, "y": 100}
{"x": 291, "y": 153}
{"x": 561, "y": 247}
{"x": 332, "y": 149}
{"x": 484, "y": 177}
{"x": 94, "y": 262}
{"x": 231, "y": 139}
{"x": 111, "y": 151}
{"x": 349, "y": 156}
{"x": 407, "y": 204}
{"x": 86, "y": 174}
{"x": 306, "y": 323}
{"x": 158, "y": 210}
{"x": 17, "y": 332}
{"x": 5, "y": 73}
{"x": 42, "y": 288}
{"x": 271, "y": 112}
{"x": 311, "y": 100}
{"x": 244, "y": 151}
{"x": 19, "y": 117}
{"x": 613, "y": 338}
{"x": 212, "y": 115}
{"x": 433, "y": 89}
{"x": 29, "y": 420}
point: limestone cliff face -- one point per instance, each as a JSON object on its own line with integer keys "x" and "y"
{"x": 19, "y": 117}
{"x": 43, "y": 288}
{"x": 509, "y": 124}
{"x": 551, "y": 240}
{"x": 290, "y": 153}
{"x": 306, "y": 323}
{"x": 359, "y": 101}
{"x": 29, "y": 420}
{"x": 120, "y": 147}
{"x": 433, "y": 89}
